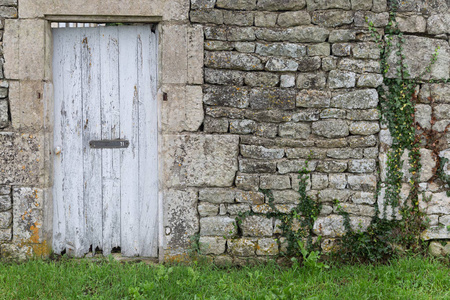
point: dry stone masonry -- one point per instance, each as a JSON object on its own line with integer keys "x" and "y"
{"x": 250, "y": 93}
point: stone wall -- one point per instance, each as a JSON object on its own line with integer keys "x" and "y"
{"x": 297, "y": 79}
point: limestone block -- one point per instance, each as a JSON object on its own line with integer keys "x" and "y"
{"x": 333, "y": 113}
{"x": 296, "y": 18}
{"x": 27, "y": 105}
{"x": 331, "y": 195}
{"x": 294, "y": 130}
{"x": 257, "y": 226}
{"x": 243, "y": 126}
{"x": 333, "y": 225}
{"x": 309, "y": 64}
{"x": 436, "y": 233}
{"x": 446, "y": 154}
{"x": 5, "y": 189}
{"x": 237, "y": 4}
{"x": 435, "y": 203}
{"x": 438, "y": 249}
{"x": 287, "y": 81}
{"x": 200, "y": 160}
{"x": 330, "y": 128}
{"x": 411, "y": 23}
{"x": 338, "y": 79}
{"x": 281, "y": 65}
{"x": 370, "y": 80}
{"x": 232, "y": 96}
{"x": 206, "y": 209}
{"x": 418, "y": 53}
{"x": 276, "y": 182}
{"x": 314, "y": 81}
{"x": 332, "y": 18}
{"x": 261, "y": 152}
{"x": 364, "y": 128}
{"x": 285, "y": 49}
{"x": 262, "y": 79}
{"x": 240, "y": 34}
{"x": 319, "y": 181}
{"x": 306, "y": 153}
{"x": 5, "y": 202}
{"x": 212, "y": 245}
{"x": 218, "y": 45}
{"x": 233, "y": 60}
{"x": 428, "y": 164}
{"x": 272, "y": 98}
{"x": 442, "y": 111}
{"x": 218, "y": 226}
{"x": 313, "y": 98}
{"x": 241, "y": 247}
{"x": 251, "y": 197}
{"x": 217, "y": 196}
{"x": 247, "y": 182}
{"x": 342, "y": 49}
{"x": 440, "y": 92}
{"x": 281, "y": 5}
{"x": 5, "y": 235}
{"x": 308, "y": 34}
{"x": 356, "y": 209}
{"x": 364, "y": 114}
{"x": 211, "y": 125}
{"x": 359, "y": 65}
{"x": 246, "y": 47}
{"x": 342, "y": 35}
{"x": 361, "y": 4}
{"x": 264, "y": 19}
{"x": 327, "y": 4}
{"x": 257, "y": 166}
{"x": 364, "y": 18}
{"x": 174, "y": 59}
{"x": 366, "y": 50}
{"x": 366, "y": 183}
{"x": 238, "y": 18}
{"x": 379, "y": 6}
{"x": 202, "y": 4}
{"x": 4, "y": 114}
{"x": 285, "y": 197}
{"x": 344, "y": 153}
{"x": 360, "y": 99}
{"x": 5, "y": 219}
{"x": 215, "y": 33}
{"x": 21, "y": 158}
{"x": 28, "y": 215}
{"x": 363, "y": 198}
{"x": 338, "y": 181}
{"x": 267, "y": 246}
{"x": 236, "y": 209}
{"x": 195, "y": 55}
{"x": 305, "y": 115}
{"x": 329, "y": 63}
{"x": 438, "y": 24}
{"x": 291, "y": 166}
{"x": 213, "y": 16}
{"x": 224, "y": 77}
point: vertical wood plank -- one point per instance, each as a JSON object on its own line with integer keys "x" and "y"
{"x": 129, "y": 100}
{"x": 92, "y": 159}
{"x": 110, "y": 106}
{"x": 59, "y": 225}
{"x": 72, "y": 139}
{"x": 148, "y": 151}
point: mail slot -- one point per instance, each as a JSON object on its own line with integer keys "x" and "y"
{"x": 109, "y": 144}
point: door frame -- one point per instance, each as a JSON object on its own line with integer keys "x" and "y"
{"x": 49, "y": 113}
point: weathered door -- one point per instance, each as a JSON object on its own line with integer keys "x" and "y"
{"x": 105, "y": 191}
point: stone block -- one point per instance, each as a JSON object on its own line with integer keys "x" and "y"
{"x": 232, "y": 96}
{"x": 224, "y": 77}
{"x": 262, "y": 79}
{"x": 360, "y": 99}
{"x": 439, "y": 249}
{"x": 319, "y": 181}
{"x": 247, "y": 182}
{"x": 238, "y": 18}
{"x": 5, "y": 235}
{"x": 363, "y": 198}
{"x": 236, "y": 209}
{"x": 181, "y": 216}
{"x": 218, "y": 226}
{"x": 379, "y": 6}
{"x": 202, "y": 4}
{"x": 306, "y": 153}
{"x": 309, "y": 64}
{"x": 331, "y": 195}
{"x": 272, "y": 98}
{"x": 330, "y": 166}
{"x": 332, "y": 18}
{"x": 275, "y": 182}
{"x": 327, "y": 4}
{"x": 287, "y": 81}
{"x": 418, "y": 53}
{"x": 365, "y": 183}
{"x": 306, "y": 115}
{"x": 267, "y": 246}
{"x": 251, "y": 197}
{"x": 257, "y": 166}
{"x": 241, "y": 247}
{"x": 175, "y": 55}
{"x": 233, "y": 60}
{"x": 333, "y": 225}
{"x": 337, "y": 181}
{"x": 217, "y": 196}
{"x": 411, "y": 23}
{"x": 438, "y": 24}
{"x": 212, "y": 245}
{"x": 356, "y": 209}
{"x": 428, "y": 164}
{"x": 342, "y": 35}
{"x": 364, "y": 128}
{"x": 364, "y": 18}
{"x": 442, "y": 111}
{"x": 359, "y": 65}
{"x": 261, "y": 152}
{"x": 330, "y": 128}
{"x": 338, "y": 79}
{"x": 195, "y": 55}
{"x": 368, "y": 50}
{"x": 329, "y": 63}
{"x": 237, "y": 34}
{"x": 206, "y": 209}
{"x": 5, "y": 202}
{"x": 292, "y": 166}
{"x": 370, "y": 80}
{"x": 436, "y": 233}
{"x": 246, "y": 47}
{"x": 27, "y": 105}
{"x": 243, "y": 126}
{"x": 28, "y": 215}
{"x": 285, "y": 197}
{"x": 218, "y": 45}
{"x": 314, "y": 81}
{"x": 5, "y": 219}
{"x": 294, "y": 130}
{"x": 440, "y": 92}
{"x": 257, "y": 226}
{"x": 278, "y": 49}
{"x": 264, "y": 19}
{"x": 4, "y": 114}
{"x": 281, "y": 5}
{"x": 313, "y": 98}
{"x": 361, "y": 4}
{"x": 295, "y": 18}
{"x": 331, "y": 143}
{"x": 213, "y": 16}
{"x": 215, "y": 33}
{"x": 200, "y": 160}
{"x": 362, "y": 165}
{"x": 237, "y": 4}
{"x": 281, "y": 65}
{"x": 212, "y": 125}
{"x": 364, "y": 114}
{"x": 345, "y": 153}
{"x": 21, "y": 159}
{"x": 342, "y": 49}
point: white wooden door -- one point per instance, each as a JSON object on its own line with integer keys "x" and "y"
{"x": 105, "y": 90}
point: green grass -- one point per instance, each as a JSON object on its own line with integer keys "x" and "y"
{"x": 407, "y": 278}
